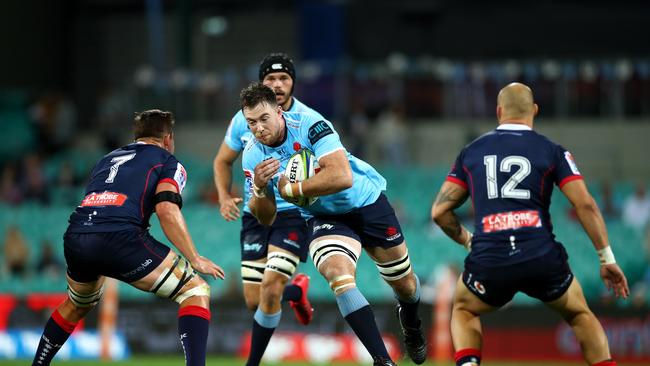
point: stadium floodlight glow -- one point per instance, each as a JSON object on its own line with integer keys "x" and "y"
{"x": 214, "y": 26}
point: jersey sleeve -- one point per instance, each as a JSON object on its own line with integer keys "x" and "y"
{"x": 249, "y": 160}
{"x": 236, "y": 130}
{"x": 174, "y": 172}
{"x": 457, "y": 174}
{"x": 321, "y": 136}
{"x": 566, "y": 169}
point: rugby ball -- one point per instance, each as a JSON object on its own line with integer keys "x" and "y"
{"x": 302, "y": 165}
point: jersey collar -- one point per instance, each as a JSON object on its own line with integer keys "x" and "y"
{"x": 514, "y": 127}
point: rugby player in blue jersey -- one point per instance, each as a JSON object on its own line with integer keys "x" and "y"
{"x": 509, "y": 173}
{"x": 108, "y": 235}
{"x": 269, "y": 254}
{"x": 351, "y": 213}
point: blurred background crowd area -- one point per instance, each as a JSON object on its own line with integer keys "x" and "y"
{"x": 406, "y": 85}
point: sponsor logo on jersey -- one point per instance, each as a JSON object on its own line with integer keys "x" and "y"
{"x": 572, "y": 163}
{"x": 104, "y": 199}
{"x": 318, "y": 130}
{"x": 323, "y": 227}
{"x": 296, "y": 146}
{"x": 180, "y": 177}
{"x": 392, "y": 233}
{"x": 512, "y": 220}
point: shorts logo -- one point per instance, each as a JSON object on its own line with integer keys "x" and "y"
{"x": 140, "y": 268}
{"x": 252, "y": 247}
{"x": 479, "y": 287}
{"x": 392, "y": 233}
{"x": 104, "y": 199}
{"x": 292, "y": 239}
{"x": 318, "y": 131}
{"x": 512, "y": 220}
{"x": 323, "y": 227}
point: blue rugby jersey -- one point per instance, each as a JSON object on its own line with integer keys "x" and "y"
{"x": 120, "y": 192}
{"x": 313, "y": 132}
{"x": 510, "y": 173}
{"x": 238, "y": 135}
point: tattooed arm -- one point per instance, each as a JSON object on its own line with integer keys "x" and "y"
{"x": 450, "y": 197}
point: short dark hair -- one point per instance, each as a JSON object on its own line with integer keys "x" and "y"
{"x": 153, "y": 123}
{"x": 256, "y": 93}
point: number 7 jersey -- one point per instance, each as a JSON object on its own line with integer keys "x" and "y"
{"x": 509, "y": 173}
{"x": 121, "y": 188}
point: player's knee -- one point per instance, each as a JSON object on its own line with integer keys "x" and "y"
{"x": 342, "y": 283}
{"x": 333, "y": 257}
{"x": 180, "y": 282}
{"x": 252, "y": 273}
{"x": 282, "y": 263}
{"x": 396, "y": 270}
{"x": 82, "y": 303}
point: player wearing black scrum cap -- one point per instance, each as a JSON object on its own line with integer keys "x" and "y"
{"x": 269, "y": 254}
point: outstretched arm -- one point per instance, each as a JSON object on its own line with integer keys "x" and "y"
{"x": 450, "y": 197}
{"x": 592, "y": 221}
{"x": 173, "y": 225}
{"x": 222, "y": 171}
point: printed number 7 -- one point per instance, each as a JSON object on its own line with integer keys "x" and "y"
{"x": 118, "y": 160}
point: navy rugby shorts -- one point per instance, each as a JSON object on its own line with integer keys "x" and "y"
{"x": 288, "y": 232}
{"x": 374, "y": 225}
{"x": 127, "y": 255}
{"x": 545, "y": 278}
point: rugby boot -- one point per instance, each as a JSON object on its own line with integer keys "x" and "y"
{"x": 302, "y": 308}
{"x": 381, "y": 361}
{"x": 416, "y": 345}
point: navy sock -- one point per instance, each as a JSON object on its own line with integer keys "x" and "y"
{"x": 410, "y": 306}
{"x": 56, "y": 332}
{"x": 291, "y": 293}
{"x": 193, "y": 327}
{"x": 263, "y": 327}
{"x": 357, "y": 312}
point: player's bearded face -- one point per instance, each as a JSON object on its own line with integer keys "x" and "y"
{"x": 282, "y": 85}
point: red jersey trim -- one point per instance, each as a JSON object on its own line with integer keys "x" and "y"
{"x": 171, "y": 181}
{"x": 457, "y": 181}
{"x": 569, "y": 179}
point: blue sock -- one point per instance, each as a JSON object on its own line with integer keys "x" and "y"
{"x": 410, "y": 306}
{"x": 291, "y": 293}
{"x": 193, "y": 327}
{"x": 357, "y": 312}
{"x": 263, "y": 327}
{"x": 56, "y": 332}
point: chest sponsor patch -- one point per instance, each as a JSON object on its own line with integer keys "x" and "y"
{"x": 318, "y": 130}
{"x": 512, "y": 220}
{"x": 104, "y": 199}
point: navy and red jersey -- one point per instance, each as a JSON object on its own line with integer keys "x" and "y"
{"x": 509, "y": 173}
{"x": 121, "y": 189}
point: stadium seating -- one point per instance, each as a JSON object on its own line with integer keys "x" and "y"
{"x": 412, "y": 197}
